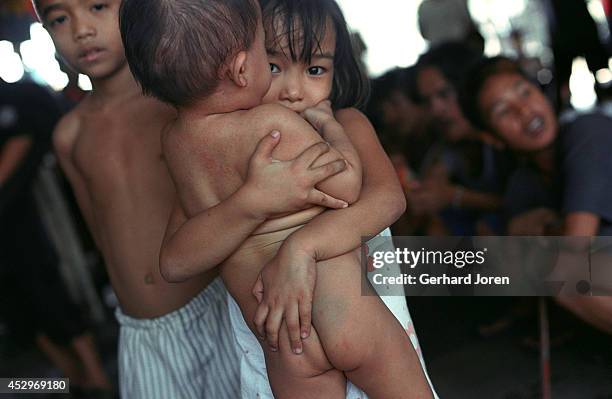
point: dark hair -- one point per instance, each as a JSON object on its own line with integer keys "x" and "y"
{"x": 175, "y": 48}
{"x": 452, "y": 59}
{"x": 304, "y": 23}
{"x": 475, "y": 81}
{"x": 398, "y": 79}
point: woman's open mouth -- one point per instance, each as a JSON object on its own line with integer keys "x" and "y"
{"x": 535, "y": 127}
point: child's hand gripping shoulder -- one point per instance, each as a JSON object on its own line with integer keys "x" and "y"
{"x": 322, "y": 119}
{"x": 290, "y": 274}
{"x": 272, "y": 187}
{"x": 318, "y": 125}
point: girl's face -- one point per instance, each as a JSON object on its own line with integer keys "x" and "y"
{"x": 299, "y": 85}
{"x": 518, "y": 112}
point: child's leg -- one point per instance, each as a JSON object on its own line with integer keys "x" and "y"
{"x": 354, "y": 334}
{"x": 85, "y": 348}
{"x": 61, "y": 358}
{"x": 361, "y": 337}
{"x": 306, "y": 376}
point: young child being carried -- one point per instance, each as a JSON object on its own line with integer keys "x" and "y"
{"x": 219, "y": 122}
{"x": 109, "y": 146}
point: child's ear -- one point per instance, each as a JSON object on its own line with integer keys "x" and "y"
{"x": 237, "y": 69}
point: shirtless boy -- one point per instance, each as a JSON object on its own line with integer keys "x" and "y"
{"x": 109, "y": 147}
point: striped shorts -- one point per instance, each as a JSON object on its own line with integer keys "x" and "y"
{"x": 187, "y": 354}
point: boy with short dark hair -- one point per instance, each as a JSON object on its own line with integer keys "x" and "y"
{"x": 175, "y": 340}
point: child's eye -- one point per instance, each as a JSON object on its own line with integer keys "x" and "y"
{"x": 57, "y": 21}
{"x": 99, "y": 7}
{"x": 274, "y": 68}
{"x": 316, "y": 70}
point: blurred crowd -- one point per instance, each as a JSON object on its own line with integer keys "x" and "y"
{"x": 482, "y": 146}
{"x": 485, "y": 146}
{"x": 473, "y": 156}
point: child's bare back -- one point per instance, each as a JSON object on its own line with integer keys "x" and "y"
{"x": 111, "y": 154}
{"x": 209, "y": 161}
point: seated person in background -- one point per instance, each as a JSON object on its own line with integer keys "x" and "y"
{"x": 567, "y": 171}
{"x": 406, "y": 134}
{"x": 402, "y": 122}
{"x": 465, "y": 184}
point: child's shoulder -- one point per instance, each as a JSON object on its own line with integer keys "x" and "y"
{"x": 66, "y": 131}
{"x": 255, "y": 123}
{"x": 151, "y": 108}
{"x": 353, "y": 121}
{"x": 274, "y": 114}
{"x": 351, "y": 115}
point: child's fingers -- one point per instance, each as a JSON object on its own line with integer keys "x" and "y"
{"x": 258, "y": 289}
{"x": 322, "y": 172}
{"x": 263, "y": 151}
{"x": 311, "y": 154}
{"x": 325, "y": 105}
{"x": 305, "y": 309}
{"x": 261, "y": 315}
{"x": 315, "y": 117}
{"x": 292, "y": 319}
{"x": 273, "y": 324}
{"x": 316, "y": 197}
